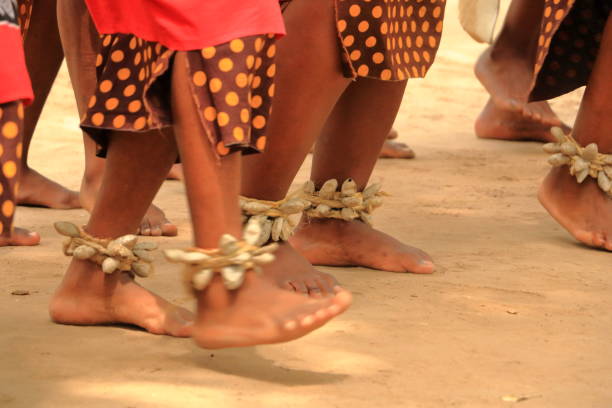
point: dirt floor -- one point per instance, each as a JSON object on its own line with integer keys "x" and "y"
{"x": 516, "y": 311}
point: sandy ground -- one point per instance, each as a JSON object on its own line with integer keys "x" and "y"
{"x": 517, "y": 308}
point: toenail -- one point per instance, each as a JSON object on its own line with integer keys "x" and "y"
{"x": 334, "y": 309}
{"x": 321, "y": 314}
{"x": 291, "y": 325}
{"x": 308, "y": 320}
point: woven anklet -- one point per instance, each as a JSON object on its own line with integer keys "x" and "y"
{"x": 582, "y": 161}
{"x": 124, "y": 254}
{"x": 273, "y": 216}
{"x": 231, "y": 260}
{"x": 347, "y": 204}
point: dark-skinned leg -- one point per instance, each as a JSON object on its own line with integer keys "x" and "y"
{"x": 584, "y": 209}
{"x": 301, "y": 108}
{"x": 348, "y": 148}
{"x": 88, "y": 296}
{"x": 44, "y": 56}
{"x": 80, "y": 41}
{"x": 506, "y": 70}
{"x": 11, "y": 139}
{"x": 258, "y": 312}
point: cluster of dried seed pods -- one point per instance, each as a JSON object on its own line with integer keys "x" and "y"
{"x": 273, "y": 216}
{"x": 231, "y": 260}
{"x": 582, "y": 161}
{"x": 347, "y": 204}
{"x": 122, "y": 254}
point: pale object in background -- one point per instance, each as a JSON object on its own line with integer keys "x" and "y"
{"x": 478, "y": 18}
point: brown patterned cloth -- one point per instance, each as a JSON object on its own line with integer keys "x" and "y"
{"x": 391, "y": 40}
{"x": 25, "y": 15}
{"x": 232, "y": 85}
{"x": 570, "y": 37}
{"x": 11, "y": 126}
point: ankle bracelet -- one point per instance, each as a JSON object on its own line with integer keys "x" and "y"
{"x": 123, "y": 254}
{"x": 273, "y": 216}
{"x": 347, "y": 204}
{"x": 582, "y": 161}
{"x": 231, "y": 260}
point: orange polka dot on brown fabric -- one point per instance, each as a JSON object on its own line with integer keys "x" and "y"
{"x": 11, "y": 130}
{"x": 375, "y": 35}
{"x": 568, "y": 44}
{"x": 231, "y": 83}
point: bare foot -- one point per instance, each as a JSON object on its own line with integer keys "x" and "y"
{"x": 38, "y": 191}
{"x": 293, "y": 272}
{"x": 153, "y": 224}
{"x": 87, "y": 296}
{"x": 582, "y": 209}
{"x": 156, "y": 224}
{"x": 393, "y": 134}
{"x": 396, "y": 150}
{"x": 260, "y": 312}
{"x": 340, "y": 243}
{"x": 509, "y": 79}
{"x": 175, "y": 173}
{"x": 497, "y": 123}
{"x": 20, "y": 237}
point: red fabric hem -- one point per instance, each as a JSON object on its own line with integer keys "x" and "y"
{"x": 15, "y": 82}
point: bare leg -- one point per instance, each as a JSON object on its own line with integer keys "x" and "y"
{"x": 583, "y": 209}
{"x": 11, "y": 138}
{"x": 348, "y": 148}
{"x": 80, "y": 41}
{"x": 259, "y": 312}
{"x": 506, "y": 69}
{"x": 88, "y": 296}
{"x": 44, "y": 57}
{"x": 297, "y": 121}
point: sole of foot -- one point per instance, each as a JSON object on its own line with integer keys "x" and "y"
{"x": 293, "y": 272}
{"x": 341, "y": 243}
{"x": 582, "y": 209}
{"x": 260, "y": 312}
{"x": 36, "y": 190}
{"x": 20, "y": 237}
{"x": 496, "y": 123}
{"x": 89, "y": 297}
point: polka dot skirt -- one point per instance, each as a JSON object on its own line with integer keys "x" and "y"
{"x": 11, "y": 124}
{"x": 232, "y": 84}
{"x": 568, "y": 44}
{"x": 25, "y": 15}
{"x": 391, "y": 40}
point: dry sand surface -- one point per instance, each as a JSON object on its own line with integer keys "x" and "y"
{"x": 516, "y": 308}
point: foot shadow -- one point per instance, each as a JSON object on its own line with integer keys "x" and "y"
{"x": 247, "y": 363}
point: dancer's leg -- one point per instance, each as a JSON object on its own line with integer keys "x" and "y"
{"x": 348, "y": 148}
{"x": 86, "y": 295}
{"x": 11, "y": 138}
{"x": 44, "y": 56}
{"x": 306, "y": 59}
{"x": 80, "y": 41}
{"x": 259, "y": 312}
{"x": 506, "y": 69}
{"x": 583, "y": 209}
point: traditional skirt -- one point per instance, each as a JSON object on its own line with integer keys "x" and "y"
{"x": 232, "y": 83}
{"x": 14, "y": 80}
{"x": 388, "y": 40}
{"x": 569, "y": 41}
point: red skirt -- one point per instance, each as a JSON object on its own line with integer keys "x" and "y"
{"x": 187, "y": 24}
{"x": 14, "y": 79}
